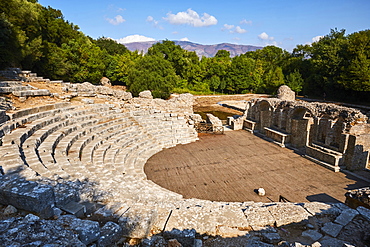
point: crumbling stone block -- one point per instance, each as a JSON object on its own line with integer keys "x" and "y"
{"x": 27, "y": 195}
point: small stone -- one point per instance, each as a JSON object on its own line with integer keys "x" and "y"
{"x": 261, "y": 192}
{"x": 10, "y": 210}
{"x": 198, "y": 243}
{"x": 310, "y": 226}
{"x": 364, "y": 212}
{"x": 173, "y": 243}
{"x": 332, "y": 229}
{"x": 110, "y": 234}
{"x": 57, "y": 212}
{"x": 283, "y": 244}
{"x": 312, "y": 235}
{"x": 146, "y": 94}
{"x": 105, "y": 81}
{"x": 316, "y": 244}
{"x": 346, "y": 216}
{"x": 22, "y": 99}
{"x": 31, "y": 218}
{"x": 271, "y": 238}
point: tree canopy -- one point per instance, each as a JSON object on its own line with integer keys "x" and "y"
{"x": 38, "y": 38}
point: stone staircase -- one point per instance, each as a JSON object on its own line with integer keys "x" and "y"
{"x": 17, "y": 78}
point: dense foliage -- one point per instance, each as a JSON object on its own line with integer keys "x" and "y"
{"x": 38, "y": 38}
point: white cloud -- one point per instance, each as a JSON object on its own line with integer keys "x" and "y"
{"x": 184, "y": 39}
{"x": 240, "y": 30}
{"x": 317, "y": 38}
{"x": 134, "y": 38}
{"x": 117, "y": 20}
{"x": 244, "y": 21}
{"x": 233, "y": 29}
{"x": 265, "y": 36}
{"x": 228, "y": 27}
{"x": 192, "y": 18}
{"x": 153, "y": 21}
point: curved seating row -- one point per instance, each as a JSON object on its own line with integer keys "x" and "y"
{"x": 97, "y": 141}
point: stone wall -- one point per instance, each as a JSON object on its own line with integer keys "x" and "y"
{"x": 334, "y": 136}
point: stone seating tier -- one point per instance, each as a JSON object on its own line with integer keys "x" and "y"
{"x": 276, "y": 136}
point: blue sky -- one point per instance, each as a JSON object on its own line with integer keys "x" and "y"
{"x": 284, "y": 23}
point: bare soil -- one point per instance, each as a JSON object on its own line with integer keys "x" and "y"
{"x": 205, "y": 103}
{"x": 231, "y": 167}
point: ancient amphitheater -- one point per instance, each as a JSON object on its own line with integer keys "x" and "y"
{"x": 83, "y": 156}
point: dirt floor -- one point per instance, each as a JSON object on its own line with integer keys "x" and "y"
{"x": 208, "y": 103}
{"x": 230, "y": 167}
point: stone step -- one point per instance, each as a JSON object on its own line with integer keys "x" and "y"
{"x": 27, "y": 93}
{"x": 12, "y": 89}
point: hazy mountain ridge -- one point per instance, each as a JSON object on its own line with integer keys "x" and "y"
{"x": 201, "y": 50}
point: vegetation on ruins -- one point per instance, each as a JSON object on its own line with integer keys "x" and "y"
{"x": 38, "y": 38}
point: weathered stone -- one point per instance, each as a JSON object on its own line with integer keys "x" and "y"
{"x": 10, "y": 210}
{"x": 258, "y": 216}
{"x": 261, "y": 192}
{"x": 215, "y": 121}
{"x": 87, "y": 230}
{"x": 229, "y": 232}
{"x": 31, "y": 231}
{"x": 137, "y": 223}
{"x": 332, "y": 229}
{"x": 104, "y": 81}
{"x": 38, "y": 92}
{"x": 346, "y": 216}
{"x": 287, "y": 213}
{"x": 330, "y": 242}
{"x": 173, "y": 243}
{"x": 27, "y": 195}
{"x": 122, "y": 94}
{"x": 185, "y": 237}
{"x": 365, "y": 212}
{"x": 74, "y": 208}
{"x": 271, "y": 238}
{"x": 146, "y": 94}
{"x": 312, "y": 235}
{"x": 110, "y": 234}
{"x": 316, "y": 244}
{"x": 154, "y": 241}
{"x": 88, "y": 101}
{"x": 198, "y": 243}
{"x": 319, "y": 208}
{"x": 285, "y": 93}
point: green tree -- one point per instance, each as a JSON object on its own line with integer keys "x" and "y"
{"x": 111, "y": 46}
{"x": 84, "y": 60}
{"x": 295, "y": 81}
{"x": 152, "y": 73}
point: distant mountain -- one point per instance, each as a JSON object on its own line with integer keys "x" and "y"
{"x": 201, "y": 50}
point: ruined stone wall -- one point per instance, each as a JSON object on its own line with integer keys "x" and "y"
{"x": 329, "y": 133}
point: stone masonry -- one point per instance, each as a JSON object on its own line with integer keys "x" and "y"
{"x": 334, "y": 136}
